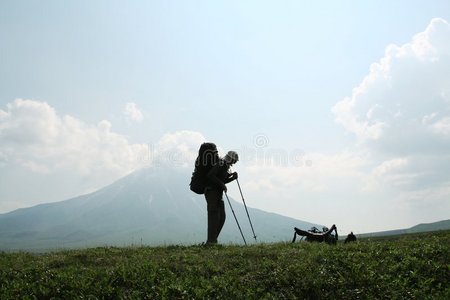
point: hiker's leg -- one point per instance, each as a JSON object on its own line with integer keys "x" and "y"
{"x": 212, "y": 199}
{"x": 221, "y": 216}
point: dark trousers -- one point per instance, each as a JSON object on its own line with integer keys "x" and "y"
{"x": 216, "y": 214}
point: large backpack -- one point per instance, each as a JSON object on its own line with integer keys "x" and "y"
{"x": 207, "y": 157}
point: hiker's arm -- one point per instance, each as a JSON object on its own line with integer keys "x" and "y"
{"x": 330, "y": 230}
{"x": 231, "y": 177}
{"x": 212, "y": 175}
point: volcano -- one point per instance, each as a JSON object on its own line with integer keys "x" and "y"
{"x": 152, "y": 206}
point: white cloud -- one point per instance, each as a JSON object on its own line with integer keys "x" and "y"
{"x": 322, "y": 190}
{"x": 178, "y": 149}
{"x": 34, "y": 136}
{"x": 442, "y": 127}
{"x": 401, "y": 111}
{"x": 409, "y": 83}
{"x": 323, "y": 174}
{"x": 400, "y": 115}
{"x": 37, "y": 143}
{"x": 133, "y": 113}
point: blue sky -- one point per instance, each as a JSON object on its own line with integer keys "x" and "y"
{"x": 232, "y": 72}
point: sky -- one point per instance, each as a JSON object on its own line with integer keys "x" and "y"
{"x": 340, "y": 110}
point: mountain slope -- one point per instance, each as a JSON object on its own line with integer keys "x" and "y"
{"x": 426, "y": 227}
{"x": 151, "y": 206}
{"x": 441, "y": 225}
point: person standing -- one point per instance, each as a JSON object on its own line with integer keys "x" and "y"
{"x": 218, "y": 176}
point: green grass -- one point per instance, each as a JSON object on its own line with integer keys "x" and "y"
{"x": 409, "y": 267}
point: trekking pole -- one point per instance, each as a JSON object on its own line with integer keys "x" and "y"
{"x": 251, "y": 225}
{"x": 236, "y": 219}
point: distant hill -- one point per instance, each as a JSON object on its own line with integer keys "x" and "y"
{"x": 425, "y": 227}
{"x": 441, "y": 225}
{"x": 152, "y": 206}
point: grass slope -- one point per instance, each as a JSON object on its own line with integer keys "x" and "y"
{"x": 411, "y": 267}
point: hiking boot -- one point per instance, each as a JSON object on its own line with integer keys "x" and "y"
{"x": 213, "y": 243}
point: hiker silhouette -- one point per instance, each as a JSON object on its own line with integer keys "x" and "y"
{"x": 218, "y": 177}
{"x": 350, "y": 238}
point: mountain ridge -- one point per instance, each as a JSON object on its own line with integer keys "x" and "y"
{"x": 152, "y": 206}
{"x": 422, "y": 227}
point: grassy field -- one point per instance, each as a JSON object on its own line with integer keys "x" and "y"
{"x": 408, "y": 267}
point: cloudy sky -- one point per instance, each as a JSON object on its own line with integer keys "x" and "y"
{"x": 340, "y": 110}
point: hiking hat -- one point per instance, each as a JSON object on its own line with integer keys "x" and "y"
{"x": 231, "y": 157}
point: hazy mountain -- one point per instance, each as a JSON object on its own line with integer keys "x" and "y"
{"x": 151, "y": 206}
{"x": 441, "y": 225}
{"x": 425, "y": 227}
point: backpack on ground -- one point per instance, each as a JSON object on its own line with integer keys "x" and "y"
{"x": 207, "y": 157}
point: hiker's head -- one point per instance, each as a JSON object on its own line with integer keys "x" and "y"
{"x": 231, "y": 157}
